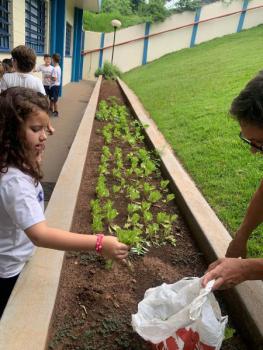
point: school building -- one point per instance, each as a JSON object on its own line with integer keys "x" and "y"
{"x": 47, "y": 26}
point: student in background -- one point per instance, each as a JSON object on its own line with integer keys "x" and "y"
{"x": 55, "y": 84}
{"x": 24, "y": 61}
{"x": 46, "y": 70}
{"x": 8, "y": 65}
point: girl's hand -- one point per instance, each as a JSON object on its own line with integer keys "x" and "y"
{"x": 113, "y": 249}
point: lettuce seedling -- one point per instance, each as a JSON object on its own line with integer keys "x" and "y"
{"x": 129, "y": 237}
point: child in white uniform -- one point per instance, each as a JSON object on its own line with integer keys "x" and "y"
{"x": 23, "y": 124}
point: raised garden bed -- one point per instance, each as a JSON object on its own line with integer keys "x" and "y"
{"x": 94, "y": 304}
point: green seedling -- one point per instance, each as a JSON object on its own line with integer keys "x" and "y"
{"x": 133, "y": 193}
{"x": 101, "y": 188}
{"x": 147, "y": 188}
{"x": 106, "y": 152}
{"x": 129, "y": 237}
{"x": 152, "y": 229}
{"x": 154, "y": 196}
{"x": 116, "y": 189}
{"x": 145, "y": 206}
{"x": 164, "y": 184}
{"x": 169, "y": 197}
{"x": 97, "y": 223}
{"x": 110, "y": 212}
{"x": 117, "y": 173}
{"x": 148, "y": 166}
{"x": 134, "y": 219}
{"x": 147, "y": 216}
{"x": 132, "y": 208}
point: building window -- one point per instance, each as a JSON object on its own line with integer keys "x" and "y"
{"x": 68, "y": 39}
{"x": 4, "y": 24}
{"x": 35, "y": 24}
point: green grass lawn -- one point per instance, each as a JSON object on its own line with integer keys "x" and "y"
{"x": 101, "y": 22}
{"x": 188, "y": 94}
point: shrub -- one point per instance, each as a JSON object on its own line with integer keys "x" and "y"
{"x": 122, "y": 6}
{"x": 154, "y": 11}
{"x": 109, "y": 71}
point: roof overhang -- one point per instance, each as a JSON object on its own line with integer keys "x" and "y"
{"x": 92, "y": 5}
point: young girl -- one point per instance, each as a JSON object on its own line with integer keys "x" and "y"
{"x": 23, "y": 123}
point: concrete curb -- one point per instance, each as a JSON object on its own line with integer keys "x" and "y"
{"x": 245, "y": 300}
{"x": 26, "y": 320}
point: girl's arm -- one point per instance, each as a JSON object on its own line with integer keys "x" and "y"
{"x": 48, "y": 237}
{"x": 254, "y": 217}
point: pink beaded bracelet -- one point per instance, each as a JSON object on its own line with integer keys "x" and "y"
{"x": 99, "y": 242}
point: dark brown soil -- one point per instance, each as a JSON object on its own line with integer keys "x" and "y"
{"x": 94, "y": 304}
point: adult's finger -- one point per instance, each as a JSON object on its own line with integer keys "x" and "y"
{"x": 214, "y": 265}
{"x": 218, "y": 283}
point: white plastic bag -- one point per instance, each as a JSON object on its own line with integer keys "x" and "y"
{"x": 182, "y": 314}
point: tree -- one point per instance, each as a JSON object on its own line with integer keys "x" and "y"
{"x": 155, "y": 10}
{"x": 124, "y": 7}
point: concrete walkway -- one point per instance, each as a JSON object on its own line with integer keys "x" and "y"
{"x": 71, "y": 109}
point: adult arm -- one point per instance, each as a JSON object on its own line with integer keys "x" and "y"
{"x": 48, "y": 237}
{"x": 254, "y": 217}
{"x": 229, "y": 272}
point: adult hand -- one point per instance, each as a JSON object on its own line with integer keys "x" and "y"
{"x": 237, "y": 248}
{"x": 113, "y": 249}
{"x": 227, "y": 272}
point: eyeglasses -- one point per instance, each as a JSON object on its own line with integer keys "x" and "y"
{"x": 260, "y": 148}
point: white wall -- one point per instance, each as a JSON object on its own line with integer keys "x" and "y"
{"x": 91, "y": 61}
{"x": 253, "y": 17}
{"x": 130, "y": 55}
{"x": 221, "y": 26}
{"x": 67, "y": 67}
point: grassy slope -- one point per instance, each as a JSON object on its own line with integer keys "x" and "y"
{"x": 102, "y": 22}
{"x": 188, "y": 93}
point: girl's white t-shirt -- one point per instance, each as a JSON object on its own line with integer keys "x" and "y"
{"x": 21, "y": 206}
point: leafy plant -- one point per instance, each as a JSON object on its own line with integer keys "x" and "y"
{"x": 110, "y": 212}
{"x": 103, "y": 112}
{"x": 97, "y": 223}
{"x": 132, "y": 208}
{"x": 152, "y": 229}
{"x": 164, "y": 184}
{"x": 170, "y": 197}
{"x": 155, "y": 196}
{"x": 109, "y": 71}
{"x": 129, "y": 237}
{"x": 134, "y": 219}
{"x": 147, "y": 216}
{"x": 229, "y": 332}
{"x": 133, "y": 193}
{"x": 101, "y": 188}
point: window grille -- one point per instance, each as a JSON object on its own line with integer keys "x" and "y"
{"x": 68, "y": 39}
{"x": 35, "y": 24}
{"x": 4, "y": 24}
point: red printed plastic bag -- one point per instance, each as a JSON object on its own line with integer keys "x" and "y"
{"x": 180, "y": 316}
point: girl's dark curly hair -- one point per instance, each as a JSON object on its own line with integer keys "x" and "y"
{"x": 16, "y": 106}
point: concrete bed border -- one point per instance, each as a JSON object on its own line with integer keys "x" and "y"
{"x": 26, "y": 319}
{"x": 246, "y": 300}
